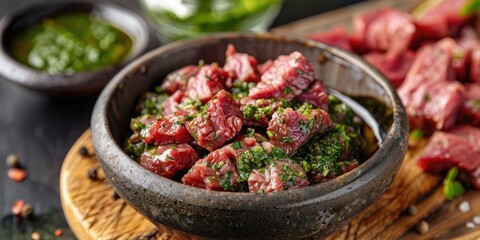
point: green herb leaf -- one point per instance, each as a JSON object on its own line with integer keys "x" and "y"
{"x": 451, "y": 187}
{"x": 250, "y": 132}
{"x": 470, "y": 8}
{"x": 288, "y": 90}
{"x": 416, "y": 134}
{"x": 236, "y": 145}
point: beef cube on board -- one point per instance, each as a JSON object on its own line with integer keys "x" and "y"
{"x": 286, "y": 78}
{"x": 471, "y": 106}
{"x": 336, "y": 36}
{"x": 219, "y": 122}
{"x": 394, "y": 65}
{"x": 168, "y": 160}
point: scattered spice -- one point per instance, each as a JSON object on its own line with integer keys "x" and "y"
{"x": 36, "y": 236}
{"x": 27, "y": 211}
{"x": 470, "y": 225}
{"x": 476, "y": 219}
{"x": 92, "y": 173}
{"x": 83, "y": 151}
{"x": 464, "y": 206}
{"x": 18, "y": 207}
{"x": 13, "y": 161}
{"x": 423, "y": 227}
{"x": 17, "y": 174}
{"x": 58, "y": 232}
{"x": 412, "y": 210}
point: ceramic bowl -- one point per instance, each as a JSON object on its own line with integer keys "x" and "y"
{"x": 313, "y": 210}
{"x": 78, "y": 83}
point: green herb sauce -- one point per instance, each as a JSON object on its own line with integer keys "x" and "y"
{"x": 70, "y": 43}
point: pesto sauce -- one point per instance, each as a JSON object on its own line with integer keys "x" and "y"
{"x": 70, "y": 43}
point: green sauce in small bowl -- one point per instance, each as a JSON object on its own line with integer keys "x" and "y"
{"x": 69, "y": 43}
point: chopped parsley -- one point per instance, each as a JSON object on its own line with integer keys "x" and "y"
{"x": 153, "y": 103}
{"x": 236, "y": 145}
{"x": 226, "y": 182}
{"x": 299, "y": 72}
{"x": 287, "y": 90}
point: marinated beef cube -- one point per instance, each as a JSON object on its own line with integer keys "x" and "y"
{"x": 258, "y": 112}
{"x": 471, "y": 106}
{"x": 435, "y": 105}
{"x": 240, "y": 66}
{"x": 336, "y": 36}
{"x": 151, "y": 103}
{"x": 167, "y": 130}
{"x": 442, "y": 20}
{"x": 219, "y": 122}
{"x": 445, "y": 150}
{"x": 286, "y": 78}
{"x": 474, "y": 73}
{"x": 461, "y": 60}
{"x": 209, "y": 80}
{"x": 277, "y": 176}
{"x": 178, "y": 79}
{"x": 326, "y": 156}
{"x": 168, "y": 160}
{"x": 316, "y": 95}
{"x": 171, "y": 103}
{"x": 394, "y": 65}
{"x": 289, "y": 129}
{"x": 385, "y": 30}
{"x": 217, "y": 171}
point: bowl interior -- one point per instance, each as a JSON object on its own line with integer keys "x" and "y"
{"x": 337, "y": 200}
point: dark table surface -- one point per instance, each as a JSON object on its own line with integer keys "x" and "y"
{"x": 41, "y": 130}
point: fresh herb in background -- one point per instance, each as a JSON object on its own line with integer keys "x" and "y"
{"x": 451, "y": 187}
{"x": 416, "y": 134}
{"x": 470, "y": 8}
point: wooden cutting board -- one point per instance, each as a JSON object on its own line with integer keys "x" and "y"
{"x": 93, "y": 212}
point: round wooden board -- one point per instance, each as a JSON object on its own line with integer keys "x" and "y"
{"x": 93, "y": 213}
{"x": 90, "y": 207}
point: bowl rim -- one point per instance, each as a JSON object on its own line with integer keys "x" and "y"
{"x": 23, "y": 75}
{"x": 104, "y": 142}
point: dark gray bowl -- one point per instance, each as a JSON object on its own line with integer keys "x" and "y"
{"x": 313, "y": 210}
{"x": 78, "y": 83}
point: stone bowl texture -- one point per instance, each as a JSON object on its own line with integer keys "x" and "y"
{"x": 81, "y": 83}
{"x": 315, "y": 210}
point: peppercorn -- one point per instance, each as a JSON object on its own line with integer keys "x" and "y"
{"x": 92, "y": 173}
{"x": 58, "y": 232}
{"x": 27, "y": 211}
{"x": 83, "y": 151}
{"x": 423, "y": 227}
{"x": 115, "y": 195}
{"x": 13, "y": 161}
{"x": 412, "y": 210}
{"x": 36, "y": 236}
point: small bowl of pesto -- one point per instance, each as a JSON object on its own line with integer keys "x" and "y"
{"x": 70, "y": 48}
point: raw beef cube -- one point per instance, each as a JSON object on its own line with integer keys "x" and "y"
{"x": 219, "y": 122}
{"x": 289, "y": 129}
{"x": 470, "y": 133}
{"x": 170, "y": 105}
{"x": 475, "y": 66}
{"x": 337, "y": 37}
{"x": 217, "y": 171}
{"x": 435, "y": 105}
{"x": 316, "y": 95}
{"x": 394, "y": 65}
{"x": 168, "y": 160}
{"x": 432, "y": 64}
{"x": 442, "y": 20}
{"x": 167, "y": 130}
{"x": 286, "y": 78}
{"x": 209, "y": 80}
{"x": 240, "y": 66}
{"x": 277, "y": 176}
{"x": 385, "y": 30}
{"x": 445, "y": 150}
{"x": 262, "y": 68}
{"x": 471, "y": 106}
{"x": 178, "y": 79}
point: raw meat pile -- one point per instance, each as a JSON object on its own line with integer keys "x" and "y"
{"x": 245, "y": 127}
{"x": 434, "y": 61}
